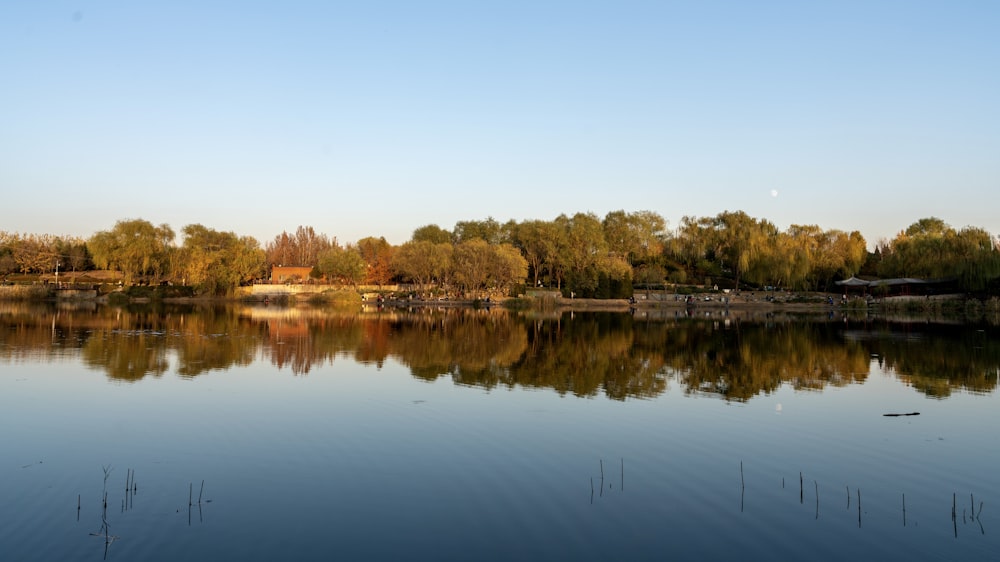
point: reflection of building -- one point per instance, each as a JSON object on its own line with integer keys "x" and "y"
{"x": 281, "y": 330}
{"x": 290, "y": 273}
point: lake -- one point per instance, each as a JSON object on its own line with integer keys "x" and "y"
{"x": 158, "y": 432}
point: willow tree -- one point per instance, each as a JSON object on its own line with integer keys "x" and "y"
{"x": 342, "y": 264}
{"x": 471, "y": 264}
{"x": 538, "y": 242}
{"x": 851, "y": 250}
{"x": 134, "y": 247}
{"x": 978, "y": 258}
{"x": 690, "y": 243}
{"x": 431, "y": 233}
{"x": 739, "y": 241}
{"x": 777, "y": 263}
{"x": 581, "y": 248}
{"x": 489, "y": 230}
{"x": 792, "y": 259}
{"x": 422, "y": 261}
{"x": 248, "y": 260}
{"x": 929, "y": 248}
{"x": 217, "y": 262}
{"x": 634, "y": 237}
{"x": 507, "y": 267}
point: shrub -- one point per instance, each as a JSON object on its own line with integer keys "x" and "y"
{"x": 336, "y": 297}
{"x": 517, "y": 304}
{"x": 25, "y": 292}
{"x": 118, "y": 298}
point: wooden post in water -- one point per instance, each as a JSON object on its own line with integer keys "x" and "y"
{"x": 954, "y": 519}
{"x": 602, "y": 477}
{"x": 817, "y": 498}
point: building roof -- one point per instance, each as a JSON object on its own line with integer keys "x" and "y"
{"x": 855, "y": 282}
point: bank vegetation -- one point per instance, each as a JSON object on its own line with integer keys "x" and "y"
{"x": 580, "y": 255}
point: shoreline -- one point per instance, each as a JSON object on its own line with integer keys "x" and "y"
{"x": 811, "y": 301}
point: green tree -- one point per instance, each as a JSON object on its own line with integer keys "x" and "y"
{"x": 614, "y": 279}
{"x": 73, "y": 253}
{"x": 769, "y": 266}
{"x": 136, "y": 248}
{"x": 538, "y": 241}
{"x": 580, "y": 250}
{"x": 344, "y": 265}
{"x": 217, "y": 262}
{"x": 694, "y": 246}
{"x": 635, "y": 237}
{"x": 784, "y": 262}
{"x": 740, "y": 239}
{"x": 650, "y": 274}
{"x": 508, "y": 267}
{"x": 929, "y": 248}
{"x": 249, "y": 260}
{"x": 489, "y": 230}
{"x": 431, "y": 233}
{"x": 978, "y": 258}
{"x": 930, "y": 227}
{"x": 422, "y": 261}
{"x": 471, "y": 264}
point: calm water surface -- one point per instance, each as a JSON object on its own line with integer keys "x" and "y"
{"x": 253, "y": 433}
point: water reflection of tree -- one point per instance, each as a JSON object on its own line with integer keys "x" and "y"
{"x": 585, "y": 354}
{"x": 127, "y": 356}
{"x": 940, "y": 361}
{"x": 129, "y": 344}
{"x": 473, "y": 347}
{"x": 580, "y": 354}
{"x": 32, "y": 330}
{"x": 741, "y": 360}
{"x": 139, "y": 344}
{"x": 304, "y": 342}
{"x": 456, "y": 342}
{"x": 215, "y": 338}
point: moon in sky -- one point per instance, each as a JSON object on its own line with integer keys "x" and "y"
{"x": 774, "y": 193}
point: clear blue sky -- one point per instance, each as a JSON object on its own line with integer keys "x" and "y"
{"x": 376, "y": 117}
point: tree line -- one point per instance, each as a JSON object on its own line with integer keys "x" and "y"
{"x": 581, "y": 254}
